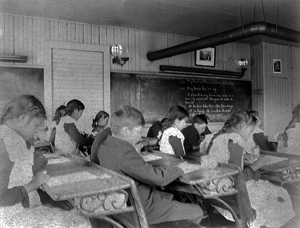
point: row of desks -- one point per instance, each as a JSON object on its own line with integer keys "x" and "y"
{"x": 98, "y": 192}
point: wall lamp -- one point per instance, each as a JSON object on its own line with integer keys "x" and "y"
{"x": 206, "y": 72}
{"x": 13, "y": 58}
{"x": 120, "y": 58}
{"x": 243, "y": 63}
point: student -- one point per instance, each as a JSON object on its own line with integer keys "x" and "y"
{"x": 288, "y": 140}
{"x": 272, "y": 203}
{"x": 256, "y": 141}
{"x": 206, "y": 131}
{"x": 117, "y": 153}
{"x": 59, "y": 113}
{"x": 20, "y": 204}
{"x": 157, "y": 128}
{"x": 172, "y": 139}
{"x": 258, "y": 135}
{"x": 100, "y": 122}
{"x": 68, "y": 138}
{"x": 192, "y": 135}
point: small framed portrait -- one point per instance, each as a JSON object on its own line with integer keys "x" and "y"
{"x": 206, "y": 57}
{"x": 277, "y": 66}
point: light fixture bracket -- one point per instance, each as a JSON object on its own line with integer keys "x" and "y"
{"x": 116, "y": 51}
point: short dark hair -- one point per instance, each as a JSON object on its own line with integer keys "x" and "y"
{"x": 98, "y": 116}
{"x": 126, "y": 116}
{"x": 177, "y": 112}
{"x": 200, "y": 119}
{"x": 73, "y": 105}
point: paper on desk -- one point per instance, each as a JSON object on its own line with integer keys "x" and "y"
{"x": 75, "y": 177}
{"x": 57, "y": 160}
{"x": 273, "y": 159}
{"x": 187, "y": 167}
{"x": 150, "y": 157}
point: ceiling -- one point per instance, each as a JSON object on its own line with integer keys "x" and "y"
{"x": 196, "y": 18}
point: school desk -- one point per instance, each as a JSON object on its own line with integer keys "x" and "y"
{"x": 94, "y": 191}
{"x": 222, "y": 186}
{"x": 282, "y": 168}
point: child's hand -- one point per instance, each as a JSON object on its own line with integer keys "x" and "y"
{"x": 183, "y": 166}
{"x": 138, "y": 147}
{"x": 39, "y": 179}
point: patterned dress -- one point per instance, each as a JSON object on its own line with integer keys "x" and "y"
{"x": 36, "y": 216}
{"x": 272, "y": 203}
{"x": 164, "y": 143}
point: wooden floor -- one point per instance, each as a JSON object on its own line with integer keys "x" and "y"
{"x": 218, "y": 222}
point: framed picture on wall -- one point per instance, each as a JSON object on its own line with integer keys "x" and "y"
{"x": 277, "y": 66}
{"x": 206, "y": 57}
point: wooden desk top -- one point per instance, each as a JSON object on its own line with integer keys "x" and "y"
{"x": 282, "y": 161}
{"x": 199, "y": 175}
{"x": 78, "y": 178}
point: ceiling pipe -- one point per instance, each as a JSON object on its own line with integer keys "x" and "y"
{"x": 253, "y": 29}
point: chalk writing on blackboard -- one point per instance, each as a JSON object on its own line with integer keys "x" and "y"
{"x": 205, "y": 96}
{"x": 154, "y": 95}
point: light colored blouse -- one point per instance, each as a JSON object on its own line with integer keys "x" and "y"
{"x": 293, "y": 142}
{"x": 20, "y": 161}
{"x": 262, "y": 194}
{"x": 63, "y": 141}
{"x": 164, "y": 143}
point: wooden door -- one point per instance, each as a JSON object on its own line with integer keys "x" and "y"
{"x": 77, "y": 71}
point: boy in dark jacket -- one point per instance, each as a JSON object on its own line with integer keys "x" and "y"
{"x": 117, "y": 153}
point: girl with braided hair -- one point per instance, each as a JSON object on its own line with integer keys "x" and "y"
{"x": 268, "y": 200}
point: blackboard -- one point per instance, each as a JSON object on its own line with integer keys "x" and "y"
{"x": 15, "y": 81}
{"x": 153, "y": 95}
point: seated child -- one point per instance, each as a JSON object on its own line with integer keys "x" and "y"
{"x": 172, "y": 139}
{"x": 157, "y": 128}
{"x": 192, "y": 135}
{"x": 68, "y": 138}
{"x": 269, "y": 200}
{"x": 20, "y": 203}
{"x": 100, "y": 122}
{"x": 59, "y": 113}
{"x": 117, "y": 153}
{"x": 206, "y": 131}
{"x": 288, "y": 140}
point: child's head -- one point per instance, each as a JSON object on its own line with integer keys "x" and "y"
{"x": 256, "y": 115}
{"x": 101, "y": 119}
{"x": 242, "y": 122}
{"x": 59, "y": 113}
{"x": 127, "y": 123}
{"x": 203, "y": 117}
{"x": 178, "y": 116}
{"x": 164, "y": 123}
{"x": 25, "y": 114}
{"x": 75, "y": 109}
{"x": 200, "y": 122}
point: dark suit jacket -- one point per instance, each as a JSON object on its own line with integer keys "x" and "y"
{"x": 120, "y": 156}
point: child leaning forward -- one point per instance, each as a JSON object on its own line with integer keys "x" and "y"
{"x": 118, "y": 153}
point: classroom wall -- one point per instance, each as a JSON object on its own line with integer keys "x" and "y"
{"x": 275, "y": 94}
{"x": 29, "y": 36}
